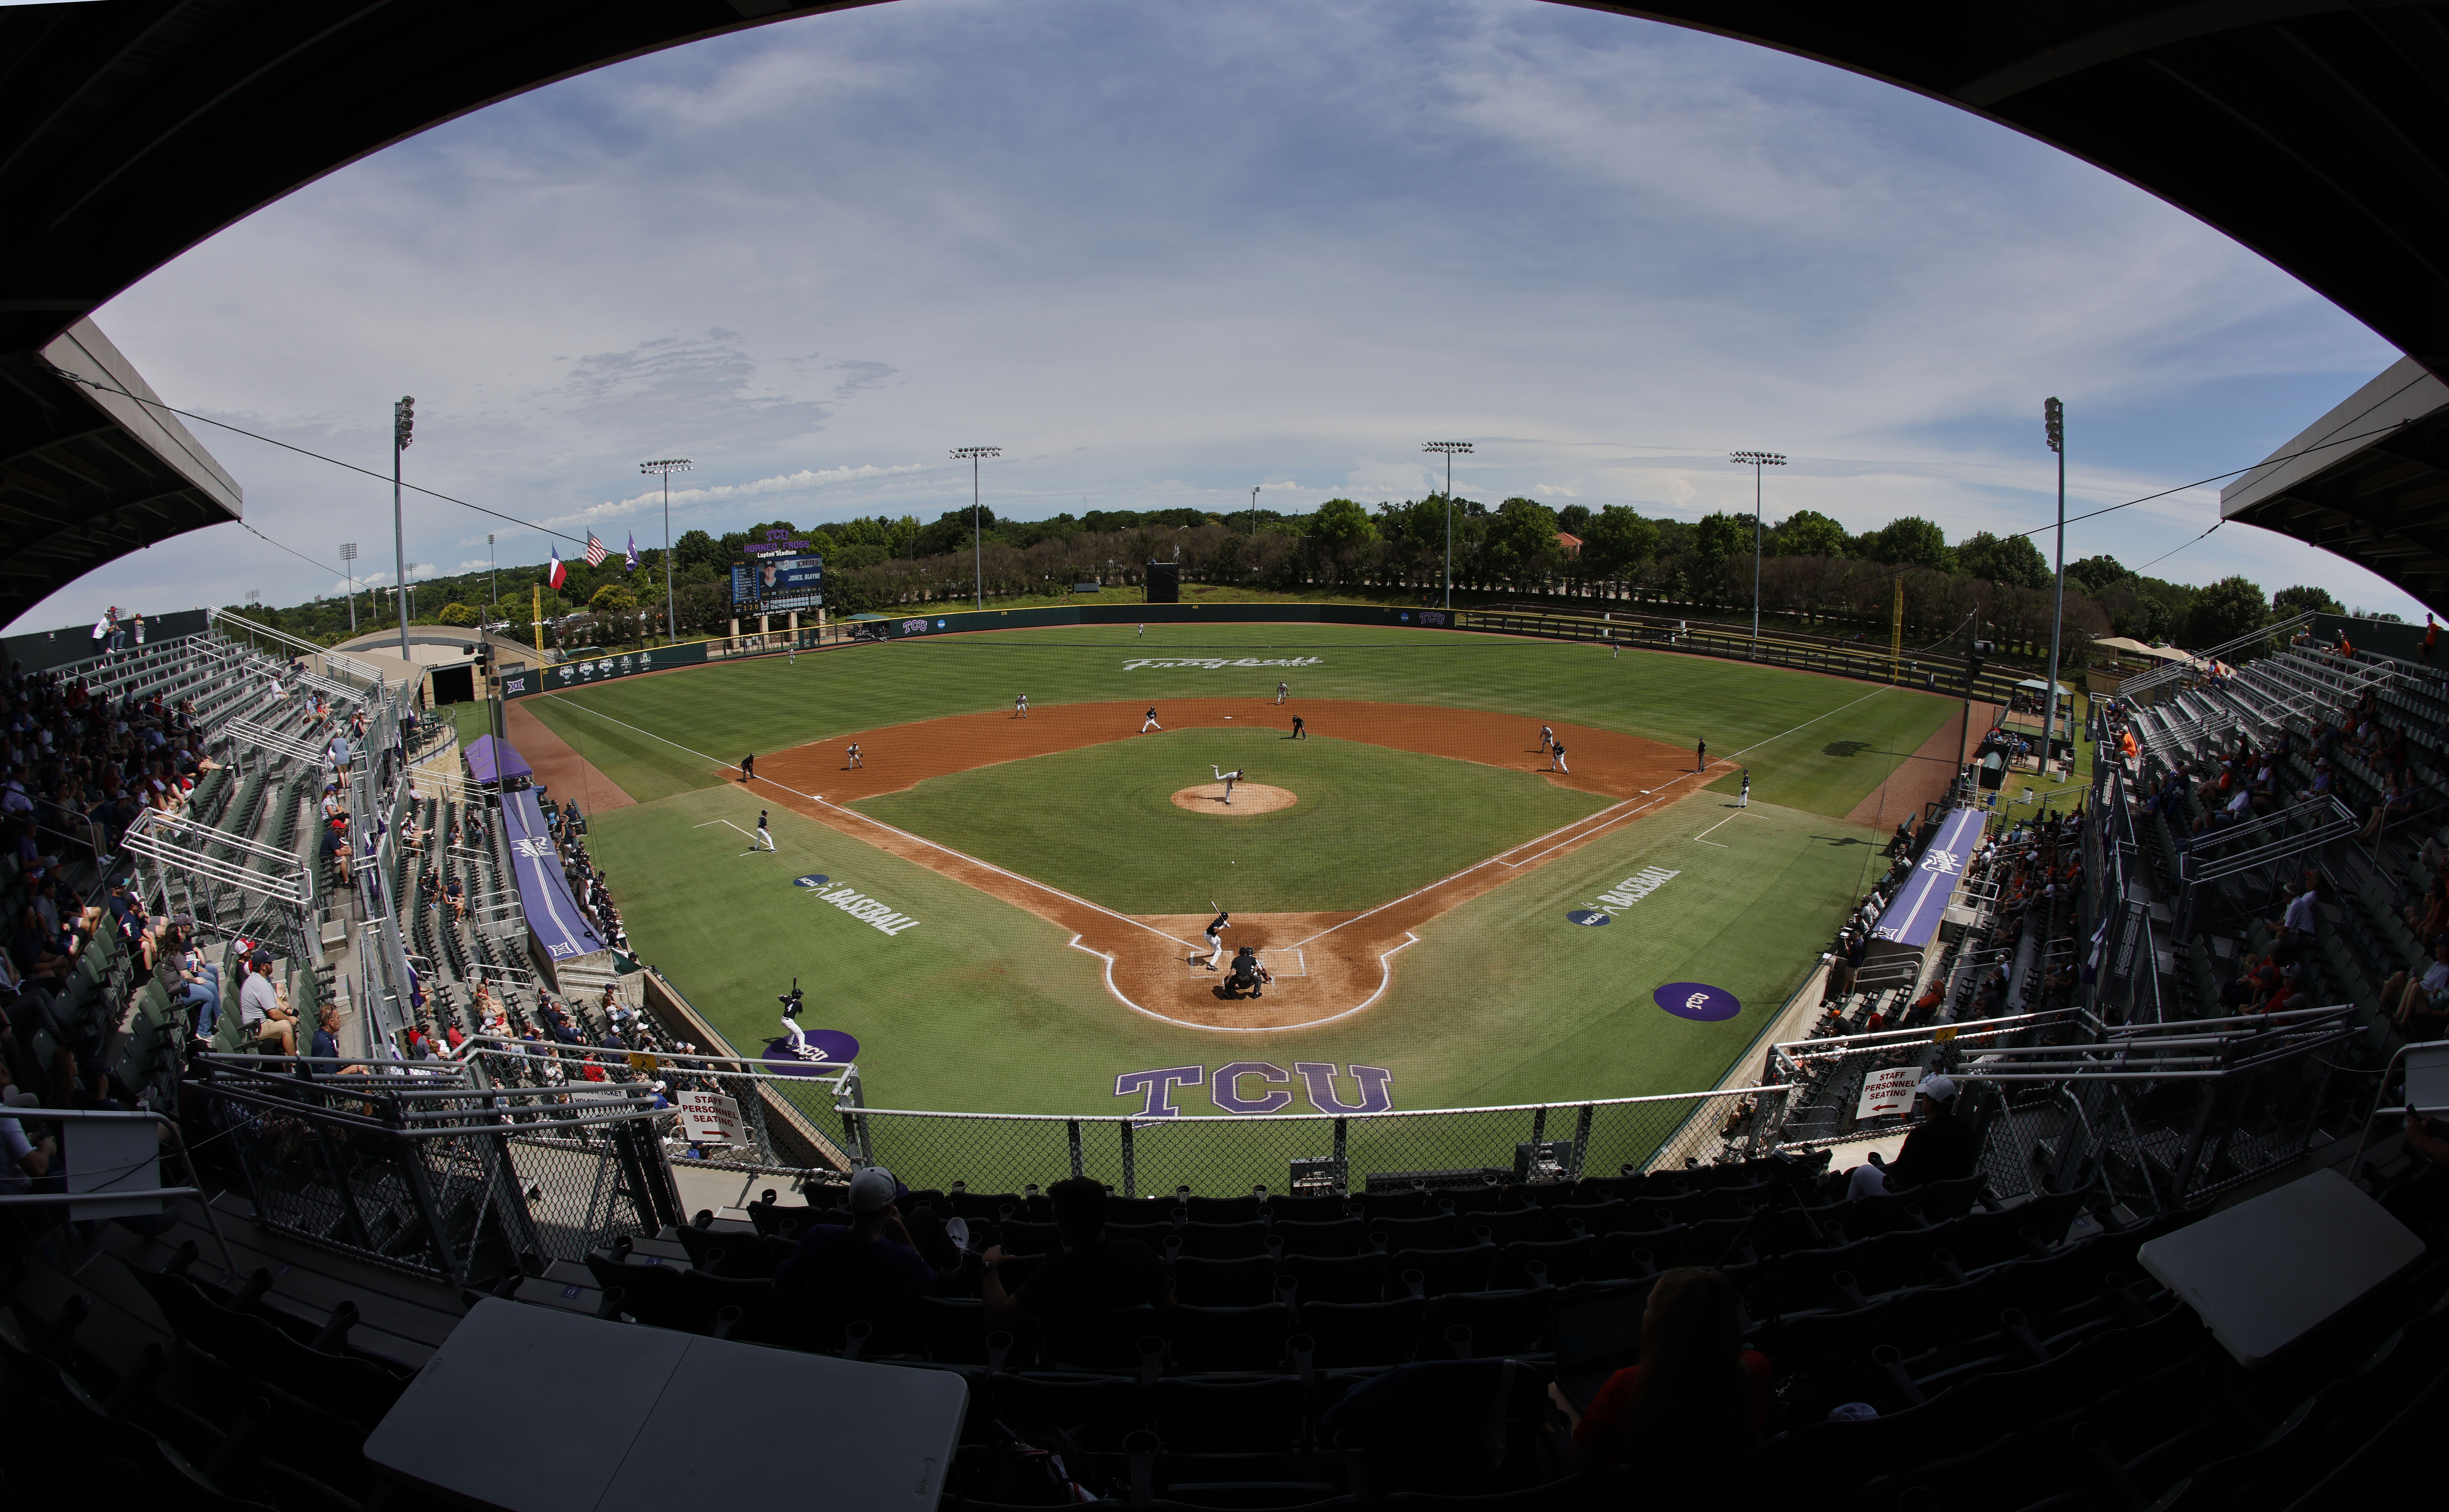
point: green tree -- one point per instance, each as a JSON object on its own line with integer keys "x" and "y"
{"x": 1575, "y": 519}
{"x": 2227, "y": 610}
{"x": 458, "y": 614}
{"x": 611, "y": 599}
{"x": 2295, "y": 601}
{"x": 1809, "y": 533}
{"x": 1616, "y": 539}
{"x": 1341, "y": 524}
{"x": 1911, "y": 541}
{"x": 696, "y": 550}
{"x": 1523, "y": 536}
{"x": 2095, "y": 574}
{"x": 2011, "y": 560}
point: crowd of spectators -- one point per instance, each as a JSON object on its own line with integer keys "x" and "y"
{"x": 592, "y": 889}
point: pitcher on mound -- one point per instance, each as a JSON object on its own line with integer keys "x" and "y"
{"x": 1228, "y": 778}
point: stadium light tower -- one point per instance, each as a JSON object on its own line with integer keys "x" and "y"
{"x": 977, "y": 526}
{"x": 1756, "y": 460}
{"x": 349, "y": 553}
{"x": 667, "y": 466}
{"x": 1449, "y": 448}
{"x": 2053, "y": 426}
{"x": 403, "y": 431}
{"x": 1254, "y": 511}
{"x": 494, "y": 565}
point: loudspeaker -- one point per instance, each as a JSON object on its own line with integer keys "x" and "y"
{"x": 1165, "y": 583}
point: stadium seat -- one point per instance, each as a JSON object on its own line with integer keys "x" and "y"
{"x": 1351, "y": 1335}
{"x": 1560, "y": 1262}
{"x": 1225, "y": 1283}
{"x": 1506, "y": 1225}
{"x": 1102, "y": 1340}
{"x": 1596, "y": 1219}
{"x": 1441, "y": 1271}
{"x": 1326, "y": 1237}
{"x": 1305, "y": 1209}
{"x": 1261, "y": 1416}
{"x": 1091, "y": 1412}
{"x": 1437, "y": 1232}
{"x": 1227, "y": 1338}
{"x": 1337, "y": 1278}
{"x": 1224, "y": 1241}
{"x": 1516, "y": 1322}
{"x": 1225, "y": 1210}
{"x": 1378, "y": 1206}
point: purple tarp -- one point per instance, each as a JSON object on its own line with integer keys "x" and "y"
{"x": 1912, "y": 915}
{"x": 491, "y": 760}
{"x": 552, "y": 914}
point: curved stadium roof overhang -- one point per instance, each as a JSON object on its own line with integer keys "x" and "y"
{"x": 2314, "y": 131}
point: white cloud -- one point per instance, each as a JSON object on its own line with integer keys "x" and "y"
{"x": 1162, "y": 253}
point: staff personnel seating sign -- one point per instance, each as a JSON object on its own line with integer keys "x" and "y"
{"x": 710, "y": 1118}
{"x": 1889, "y": 1094}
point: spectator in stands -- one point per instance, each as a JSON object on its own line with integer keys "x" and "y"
{"x": 1941, "y": 1147}
{"x": 1696, "y": 1401}
{"x": 263, "y": 1007}
{"x": 2290, "y": 993}
{"x": 2295, "y": 928}
{"x": 199, "y": 986}
{"x": 327, "y": 1040}
{"x": 456, "y": 896}
{"x": 2396, "y": 804}
{"x": 23, "y": 1161}
{"x": 38, "y": 953}
{"x": 872, "y": 1264}
{"x": 1093, "y": 1275}
{"x": 2419, "y": 1005}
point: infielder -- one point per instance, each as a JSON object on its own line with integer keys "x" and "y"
{"x": 1216, "y": 928}
{"x": 1150, "y": 723}
{"x": 1020, "y": 707}
{"x": 1282, "y": 689}
{"x": 764, "y": 836}
{"x": 1228, "y": 778}
{"x": 854, "y": 763}
{"x": 1547, "y": 738}
{"x": 1556, "y": 760}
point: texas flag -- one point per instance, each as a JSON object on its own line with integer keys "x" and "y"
{"x": 633, "y": 551}
{"x": 558, "y": 574}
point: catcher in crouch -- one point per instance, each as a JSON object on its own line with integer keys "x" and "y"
{"x": 1248, "y": 975}
{"x": 1228, "y": 778}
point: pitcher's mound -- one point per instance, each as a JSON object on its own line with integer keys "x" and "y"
{"x": 1248, "y": 797}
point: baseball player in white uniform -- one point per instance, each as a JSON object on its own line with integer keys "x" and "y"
{"x": 1228, "y": 778}
{"x": 1216, "y": 928}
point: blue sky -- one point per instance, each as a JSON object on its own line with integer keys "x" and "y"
{"x": 1162, "y": 253}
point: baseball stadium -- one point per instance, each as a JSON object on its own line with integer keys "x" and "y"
{"x": 1270, "y": 1026}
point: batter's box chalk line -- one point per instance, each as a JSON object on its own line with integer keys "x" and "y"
{"x": 1293, "y": 963}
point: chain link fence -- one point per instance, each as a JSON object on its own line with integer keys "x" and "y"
{"x": 1310, "y": 1152}
{"x": 430, "y": 1172}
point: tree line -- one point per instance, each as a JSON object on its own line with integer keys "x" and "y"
{"x": 1810, "y": 568}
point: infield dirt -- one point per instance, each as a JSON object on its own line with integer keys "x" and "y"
{"x": 1329, "y": 966}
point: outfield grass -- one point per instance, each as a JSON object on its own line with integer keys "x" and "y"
{"x": 1813, "y": 742}
{"x": 1100, "y": 823}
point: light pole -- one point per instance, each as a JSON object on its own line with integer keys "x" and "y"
{"x": 1254, "y": 512}
{"x": 667, "y": 466}
{"x": 1449, "y": 448}
{"x": 977, "y": 525}
{"x": 1756, "y": 460}
{"x": 403, "y": 431}
{"x": 349, "y": 553}
{"x": 2053, "y": 426}
{"x": 494, "y": 564}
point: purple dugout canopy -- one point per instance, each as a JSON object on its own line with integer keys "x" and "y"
{"x": 552, "y": 914}
{"x": 491, "y": 760}
{"x": 1912, "y": 915}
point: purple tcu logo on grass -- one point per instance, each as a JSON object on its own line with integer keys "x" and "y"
{"x": 1697, "y": 1001}
{"x": 1258, "y": 1086}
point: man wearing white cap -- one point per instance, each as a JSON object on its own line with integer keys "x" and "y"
{"x": 873, "y": 1261}
{"x": 1940, "y": 1148}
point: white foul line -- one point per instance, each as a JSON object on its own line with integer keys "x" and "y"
{"x": 922, "y": 839}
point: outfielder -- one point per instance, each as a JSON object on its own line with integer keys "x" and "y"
{"x": 1216, "y": 928}
{"x": 1150, "y": 723}
{"x": 1228, "y": 778}
{"x": 764, "y": 836}
{"x": 854, "y": 763}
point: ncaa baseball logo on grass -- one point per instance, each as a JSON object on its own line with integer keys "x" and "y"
{"x": 859, "y": 906}
{"x": 1624, "y": 895}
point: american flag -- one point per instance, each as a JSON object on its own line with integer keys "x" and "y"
{"x": 596, "y": 551}
{"x": 632, "y": 564}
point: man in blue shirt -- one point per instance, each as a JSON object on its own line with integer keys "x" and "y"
{"x": 873, "y": 1261}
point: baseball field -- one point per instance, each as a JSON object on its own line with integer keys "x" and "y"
{"x": 1008, "y": 913}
